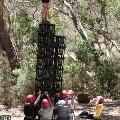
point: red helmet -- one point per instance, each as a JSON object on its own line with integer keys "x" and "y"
{"x": 64, "y": 94}
{"x": 100, "y": 100}
{"x": 70, "y": 92}
{"x": 30, "y": 98}
{"x": 45, "y": 103}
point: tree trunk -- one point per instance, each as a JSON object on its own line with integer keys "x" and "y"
{"x": 6, "y": 42}
{"x": 77, "y": 23}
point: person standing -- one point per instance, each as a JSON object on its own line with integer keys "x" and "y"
{"x": 45, "y": 12}
{"x": 63, "y": 107}
{"x": 29, "y": 108}
{"x": 46, "y": 110}
{"x": 73, "y": 103}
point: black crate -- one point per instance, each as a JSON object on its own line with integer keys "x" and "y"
{"x": 47, "y": 28}
{"x": 40, "y": 56}
{"x": 42, "y": 86}
{"x": 58, "y": 86}
{"x": 50, "y": 58}
{"x": 60, "y": 51}
{"x": 60, "y": 39}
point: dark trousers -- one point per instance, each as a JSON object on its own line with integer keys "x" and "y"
{"x": 66, "y": 118}
{"x": 29, "y": 118}
{"x": 62, "y": 118}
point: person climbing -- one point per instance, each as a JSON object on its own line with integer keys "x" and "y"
{"x": 46, "y": 110}
{"x": 45, "y": 12}
{"x": 29, "y": 109}
{"x": 73, "y": 102}
{"x": 64, "y": 107}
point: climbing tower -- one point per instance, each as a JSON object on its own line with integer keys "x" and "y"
{"x": 50, "y": 58}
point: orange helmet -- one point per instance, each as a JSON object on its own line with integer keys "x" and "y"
{"x": 100, "y": 100}
{"x": 64, "y": 94}
{"x": 30, "y": 98}
{"x": 45, "y": 103}
{"x": 70, "y": 92}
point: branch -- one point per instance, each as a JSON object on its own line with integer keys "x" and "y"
{"x": 105, "y": 34}
{"x": 62, "y": 11}
{"x": 34, "y": 13}
{"x": 68, "y": 5}
{"x": 115, "y": 45}
{"x": 73, "y": 56}
{"x": 75, "y": 19}
{"x": 29, "y": 5}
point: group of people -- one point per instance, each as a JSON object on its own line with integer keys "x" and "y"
{"x": 46, "y": 109}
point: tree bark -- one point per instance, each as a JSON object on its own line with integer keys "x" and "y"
{"x": 78, "y": 25}
{"x": 6, "y": 42}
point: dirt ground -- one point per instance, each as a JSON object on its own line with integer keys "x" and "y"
{"x": 111, "y": 111}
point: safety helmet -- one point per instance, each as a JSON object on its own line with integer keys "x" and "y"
{"x": 45, "y": 103}
{"x": 99, "y": 100}
{"x": 30, "y": 98}
{"x": 64, "y": 94}
{"x": 70, "y": 92}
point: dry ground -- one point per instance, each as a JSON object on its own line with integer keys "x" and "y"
{"x": 111, "y": 111}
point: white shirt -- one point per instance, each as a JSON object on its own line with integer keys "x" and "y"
{"x": 64, "y": 108}
{"x": 73, "y": 103}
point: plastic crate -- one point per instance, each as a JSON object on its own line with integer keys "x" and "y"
{"x": 47, "y": 28}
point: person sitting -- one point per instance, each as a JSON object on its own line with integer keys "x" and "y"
{"x": 98, "y": 110}
{"x": 99, "y": 107}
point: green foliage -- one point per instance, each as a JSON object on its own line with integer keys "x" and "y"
{"x": 88, "y": 21}
{"x": 72, "y": 68}
{"x": 83, "y": 52}
{"x": 25, "y": 32}
{"x": 101, "y": 80}
{"x": 6, "y": 81}
{"x": 26, "y": 38}
{"x": 23, "y": 17}
{"x": 71, "y": 72}
{"x": 54, "y": 19}
{"x": 25, "y": 83}
{"x": 25, "y": 75}
{"x": 83, "y": 2}
{"x": 107, "y": 76}
{"x": 37, "y": 2}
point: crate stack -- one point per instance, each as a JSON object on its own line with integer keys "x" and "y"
{"x": 50, "y": 58}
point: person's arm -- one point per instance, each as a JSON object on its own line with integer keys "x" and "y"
{"x": 49, "y": 100}
{"x": 38, "y": 98}
{"x": 56, "y": 106}
{"x": 75, "y": 103}
{"x": 92, "y": 102}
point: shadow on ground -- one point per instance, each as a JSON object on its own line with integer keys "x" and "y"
{"x": 104, "y": 117}
{"x": 110, "y": 117}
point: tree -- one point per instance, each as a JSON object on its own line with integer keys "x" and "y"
{"x": 6, "y": 41}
